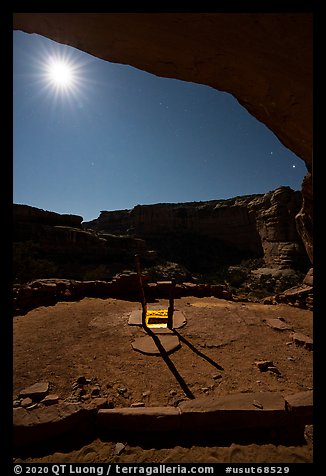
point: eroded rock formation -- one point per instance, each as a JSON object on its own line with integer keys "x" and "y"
{"x": 263, "y": 59}
{"x": 48, "y": 244}
{"x": 261, "y": 225}
{"x": 27, "y": 215}
{"x": 175, "y": 241}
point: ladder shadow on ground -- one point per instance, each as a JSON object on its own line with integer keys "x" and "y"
{"x": 171, "y": 365}
{"x": 198, "y": 352}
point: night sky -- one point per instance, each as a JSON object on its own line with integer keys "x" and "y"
{"x": 90, "y": 135}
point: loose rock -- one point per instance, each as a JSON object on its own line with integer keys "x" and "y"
{"x": 274, "y": 370}
{"x": 95, "y": 392}
{"x": 257, "y": 404}
{"x": 217, "y": 376}
{"x": 86, "y": 397}
{"x": 264, "y": 365}
{"x": 122, "y": 390}
{"x": 302, "y": 340}
{"x": 100, "y": 402}
{"x": 119, "y": 448}
{"x": 50, "y": 399}
{"x": 26, "y": 402}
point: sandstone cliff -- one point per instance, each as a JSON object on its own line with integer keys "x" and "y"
{"x": 249, "y": 243}
{"x": 258, "y": 225}
{"x": 174, "y": 240}
{"x": 48, "y": 244}
{"x": 32, "y": 215}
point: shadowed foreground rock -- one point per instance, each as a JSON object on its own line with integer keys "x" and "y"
{"x": 41, "y": 425}
{"x": 299, "y": 296}
{"x": 233, "y": 412}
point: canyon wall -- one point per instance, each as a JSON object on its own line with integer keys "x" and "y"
{"x": 28, "y": 215}
{"x": 261, "y": 225}
{"x": 48, "y": 244}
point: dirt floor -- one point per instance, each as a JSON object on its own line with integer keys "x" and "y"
{"x": 220, "y": 344}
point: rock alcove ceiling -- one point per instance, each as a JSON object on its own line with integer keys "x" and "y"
{"x": 262, "y": 59}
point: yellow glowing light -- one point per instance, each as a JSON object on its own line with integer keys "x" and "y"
{"x": 157, "y": 318}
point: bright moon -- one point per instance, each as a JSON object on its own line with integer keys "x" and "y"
{"x": 60, "y": 74}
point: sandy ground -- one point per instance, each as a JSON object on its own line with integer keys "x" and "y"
{"x": 219, "y": 346}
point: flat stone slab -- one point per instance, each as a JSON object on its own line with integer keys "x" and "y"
{"x": 153, "y": 419}
{"x": 178, "y": 320}
{"x": 256, "y": 401}
{"x": 135, "y": 318}
{"x": 278, "y": 324}
{"x": 36, "y": 391}
{"x": 147, "y": 345}
{"x": 235, "y": 411}
{"x": 300, "y": 405}
{"x": 231, "y": 412}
